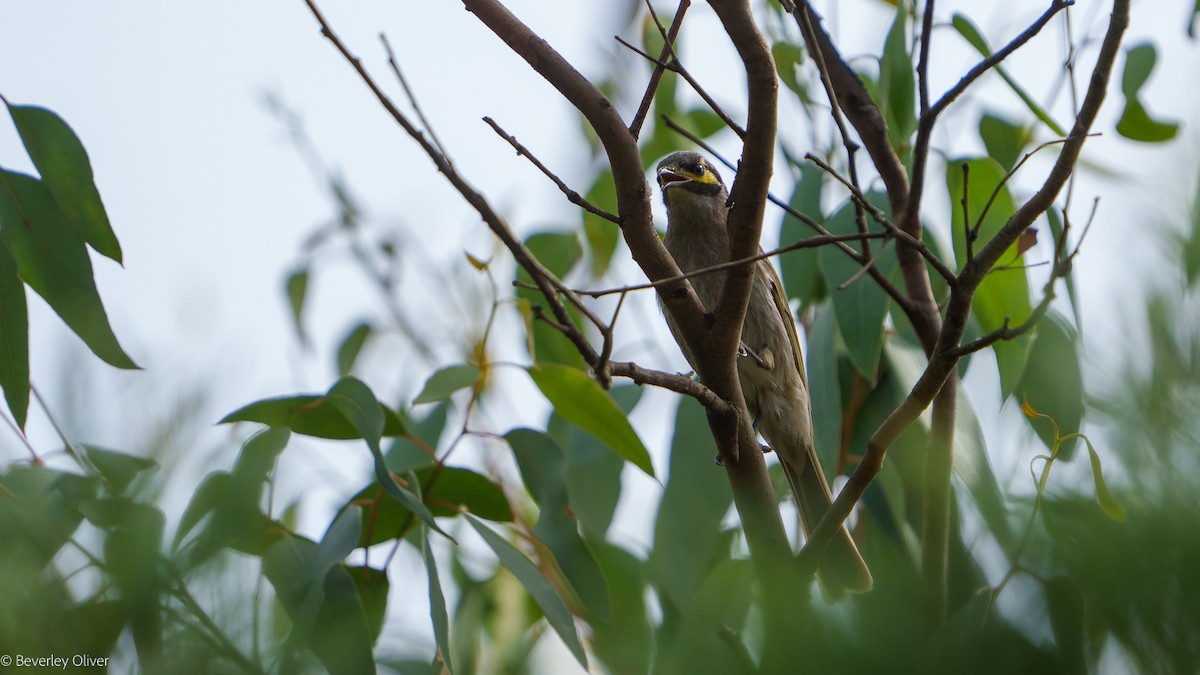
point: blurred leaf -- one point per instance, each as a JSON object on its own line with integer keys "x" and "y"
{"x": 801, "y": 269}
{"x": 297, "y": 290}
{"x": 559, "y": 252}
{"x": 626, "y": 643}
{"x": 580, "y": 400}
{"x": 703, "y": 122}
{"x": 687, "y": 529}
{"x": 310, "y": 415}
{"x": 118, "y": 469}
{"x": 593, "y": 471}
{"x": 1191, "y": 22}
{"x": 454, "y": 488}
{"x": 972, "y": 35}
{"x": 1064, "y": 601}
{"x": 861, "y": 307}
{"x": 206, "y": 497}
{"x": 544, "y": 471}
{"x": 1112, "y": 508}
{"x": 956, "y": 645}
{"x": 372, "y": 586}
{"x": 437, "y": 605}
{"x": 14, "y": 339}
{"x": 1054, "y": 218}
{"x": 1004, "y": 293}
{"x": 478, "y": 264}
{"x": 66, "y": 171}
{"x": 825, "y": 388}
{"x": 350, "y": 348}
{"x": 358, "y": 404}
{"x": 405, "y": 452}
{"x": 788, "y": 59}
{"x": 52, "y": 258}
{"x": 1136, "y": 123}
{"x": 321, "y": 599}
{"x": 719, "y": 605}
{"x": 897, "y": 82}
{"x": 446, "y": 381}
{"x": 1005, "y": 141}
{"x": 131, "y": 556}
{"x": 1053, "y": 383}
{"x": 233, "y": 498}
{"x": 602, "y": 236}
{"x": 39, "y": 511}
{"x": 538, "y": 586}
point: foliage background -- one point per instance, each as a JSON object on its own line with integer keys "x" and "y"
{"x": 209, "y": 178}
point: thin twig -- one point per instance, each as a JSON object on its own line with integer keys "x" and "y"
{"x": 812, "y": 242}
{"x": 412, "y": 100}
{"x": 886, "y": 222}
{"x": 992, "y": 61}
{"x": 669, "y": 36}
{"x": 676, "y": 67}
{"x": 572, "y": 196}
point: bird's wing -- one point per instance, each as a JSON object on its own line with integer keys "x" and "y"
{"x": 785, "y": 315}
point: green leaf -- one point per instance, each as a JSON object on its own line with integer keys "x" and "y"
{"x": 206, "y": 497}
{"x": 801, "y": 269}
{"x": 40, "y": 511}
{"x": 234, "y": 500}
{"x": 66, "y": 172}
{"x": 14, "y": 339}
{"x": 1191, "y": 23}
{"x": 405, "y": 452}
{"x": 580, "y": 400}
{"x": 453, "y": 489}
{"x": 825, "y": 387}
{"x": 626, "y": 643}
{"x": 351, "y": 347}
{"x": 593, "y": 471}
{"x": 437, "y": 605}
{"x": 975, "y": 38}
{"x": 372, "y": 586}
{"x": 297, "y": 290}
{"x": 1004, "y": 293}
{"x": 446, "y": 381}
{"x": 602, "y": 235}
{"x": 559, "y": 252}
{"x": 1136, "y": 123}
{"x": 52, "y": 258}
{"x": 358, "y": 404}
{"x": 539, "y": 588}
{"x": 1005, "y": 141}
{"x": 543, "y": 468}
{"x": 1053, "y": 383}
{"x": 788, "y": 59}
{"x": 118, "y": 469}
{"x": 1112, "y": 508}
{"x": 1064, "y": 600}
{"x": 687, "y": 529}
{"x": 897, "y": 82}
{"x": 310, "y": 415}
{"x": 860, "y": 307}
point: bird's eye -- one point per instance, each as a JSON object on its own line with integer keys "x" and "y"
{"x": 698, "y": 170}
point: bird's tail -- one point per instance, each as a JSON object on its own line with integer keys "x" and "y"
{"x": 842, "y": 568}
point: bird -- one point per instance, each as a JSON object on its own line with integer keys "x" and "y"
{"x": 770, "y": 364}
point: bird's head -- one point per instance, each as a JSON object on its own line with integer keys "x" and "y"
{"x": 688, "y": 180}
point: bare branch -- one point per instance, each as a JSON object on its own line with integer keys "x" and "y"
{"x": 675, "y": 66}
{"x": 572, "y": 196}
{"x": 669, "y": 37}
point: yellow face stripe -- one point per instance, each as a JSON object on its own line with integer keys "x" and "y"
{"x": 708, "y": 177}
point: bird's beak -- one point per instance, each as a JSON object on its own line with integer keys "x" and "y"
{"x": 668, "y": 176}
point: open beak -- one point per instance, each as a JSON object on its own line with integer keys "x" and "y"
{"x": 667, "y": 177}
